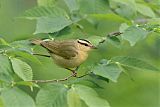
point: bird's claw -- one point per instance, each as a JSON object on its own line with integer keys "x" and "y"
{"x": 74, "y": 74}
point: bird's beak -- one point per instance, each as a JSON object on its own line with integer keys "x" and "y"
{"x": 93, "y": 47}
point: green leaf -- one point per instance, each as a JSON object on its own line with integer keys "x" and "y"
{"x": 90, "y": 97}
{"x": 96, "y": 78}
{"x": 26, "y": 56}
{"x": 26, "y": 83}
{"x": 6, "y": 71}
{"x": 1, "y": 102}
{"x": 52, "y": 95}
{"x": 3, "y": 42}
{"x": 145, "y": 10}
{"x": 15, "y": 97}
{"x": 73, "y": 5}
{"x": 125, "y": 8}
{"x": 93, "y": 6}
{"x": 114, "y": 41}
{"x": 110, "y": 71}
{"x": 51, "y": 24}
{"x": 22, "y": 69}
{"x": 133, "y": 34}
{"x": 96, "y": 40}
{"x": 22, "y": 45}
{"x": 151, "y": 27}
{"x": 42, "y": 11}
{"x": 110, "y": 16}
{"x": 123, "y": 27}
{"x": 49, "y": 19}
{"x": 4, "y": 47}
{"x": 134, "y": 63}
{"x": 73, "y": 99}
{"x": 46, "y": 2}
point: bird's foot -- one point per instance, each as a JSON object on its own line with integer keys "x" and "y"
{"x": 74, "y": 74}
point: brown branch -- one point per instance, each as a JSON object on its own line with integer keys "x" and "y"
{"x": 59, "y": 80}
{"x": 112, "y": 34}
{"x": 84, "y": 75}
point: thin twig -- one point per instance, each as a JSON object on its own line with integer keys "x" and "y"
{"x": 54, "y": 80}
{"x": 114, "y": 34}
{"x": 84, "y": 75}
{"x": 58, "y": 80}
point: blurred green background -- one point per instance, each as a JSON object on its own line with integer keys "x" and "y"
{"x": 143, "y": 91}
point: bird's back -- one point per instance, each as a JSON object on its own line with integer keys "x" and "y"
{"x": 65, "y": 53}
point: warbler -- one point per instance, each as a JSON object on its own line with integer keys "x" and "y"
{"x": 67, "y": 54}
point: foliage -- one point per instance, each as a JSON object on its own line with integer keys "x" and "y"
{"x": 132, "y": 19}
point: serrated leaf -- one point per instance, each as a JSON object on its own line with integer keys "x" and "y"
{"x": 123, "y": 27}
{"x": 3, "y": 47}
{"x": 90, "y": 97}
{"x": 26, "y": 83}
{"x": 110, "y": 71}
{"x": 72, "y": 5}
{"x": 6, "y": 71}
{"x": 22, "y": 69}
{"x": 49, "y": 3}
{"x": 15, "y": 97}
{"x": 133, "y": 34}
{"x": 145, "y": 10}
{"x": 22, "y": 45}
{"x": 49, "y": 19}
{"x": 51, "y": 24}
{"x": 42, "y": 11}
{"x": 96, "y": 40}
{"x": 134, "y": 63}
{"x": 73, "y": 99}
{"x": 125, "y": 8}
{"x": 52, "y": 95}
{"x": 97, "y": 77}
{"x": 110, "y": 16}
{"x": 93, "y": 6}
{"x": 151, "y": 27}
{"x": 114, "y": 41}
{"x": 26, "y": 56}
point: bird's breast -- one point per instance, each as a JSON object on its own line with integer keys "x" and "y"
{"x": 72, "y": 62}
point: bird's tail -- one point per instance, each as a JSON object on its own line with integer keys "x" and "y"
{"x": 36, "y": 41}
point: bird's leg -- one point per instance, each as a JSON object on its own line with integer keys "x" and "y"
{"x": 41, "y": 55}
{"x": 77, "y": 68}
{"x": 74, "y": 73}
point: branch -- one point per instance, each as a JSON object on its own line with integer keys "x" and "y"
{"x": 59, "y": 80}
{"x": 112, "y": 34}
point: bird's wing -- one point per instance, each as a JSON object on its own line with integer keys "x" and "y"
{"x": 64, "y": 49}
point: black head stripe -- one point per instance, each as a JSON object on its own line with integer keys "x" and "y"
{"x": 85, "y": 40}
{"x": 83, "y": 43}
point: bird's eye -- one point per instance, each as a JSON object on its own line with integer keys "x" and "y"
{"x": 86, "y": 44}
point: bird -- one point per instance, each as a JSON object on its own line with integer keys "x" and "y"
{"x": 68, "y": 54}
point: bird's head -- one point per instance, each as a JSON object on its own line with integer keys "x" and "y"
{"x": 85, "y": 45}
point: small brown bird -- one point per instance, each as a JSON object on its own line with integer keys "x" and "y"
{"x": 67, "y": 53}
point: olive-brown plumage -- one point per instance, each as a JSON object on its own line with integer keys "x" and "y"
{"x": 67, "y": 53}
